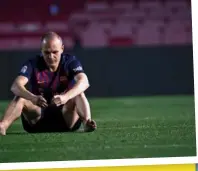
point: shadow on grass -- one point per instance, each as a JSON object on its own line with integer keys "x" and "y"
{"x": 26, "y": 133}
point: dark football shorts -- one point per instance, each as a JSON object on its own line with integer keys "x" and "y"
{"x": 51, "y": 121}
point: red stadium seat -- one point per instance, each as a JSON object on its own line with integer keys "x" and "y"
{"x": 115, "y": 20}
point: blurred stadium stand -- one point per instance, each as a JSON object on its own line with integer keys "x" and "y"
{"x": 95, "y": 23}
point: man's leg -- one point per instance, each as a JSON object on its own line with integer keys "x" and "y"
{"x": 78, "y": 108}
{"x": 14, "y": 111}
{"x": 84, "y": 111}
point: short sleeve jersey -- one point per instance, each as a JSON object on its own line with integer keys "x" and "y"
{"x": 46, "y": 83}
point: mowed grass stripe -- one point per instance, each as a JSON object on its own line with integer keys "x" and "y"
{"x": 72, "y": 148}
{"x": 100, "y": 153}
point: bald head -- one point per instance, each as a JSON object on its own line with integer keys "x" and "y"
{"x": 51, "y": 36}
{"x": 52, "y": 48}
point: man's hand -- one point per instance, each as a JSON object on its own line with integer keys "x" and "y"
{"x": 59, "y": 100}
{"x": 39, "y": 101}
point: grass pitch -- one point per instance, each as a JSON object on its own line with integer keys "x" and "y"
{"x": 135, "y": 127}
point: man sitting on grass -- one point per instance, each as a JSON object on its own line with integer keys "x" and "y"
{"x": 56, "y": 101}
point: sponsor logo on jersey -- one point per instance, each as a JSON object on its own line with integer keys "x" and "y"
{"x": 40, "y": 82}
{"x": 24, "y": 69}
{"x": 79, "y": 68}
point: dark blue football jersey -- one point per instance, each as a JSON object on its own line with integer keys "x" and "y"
{"x": 46, "y": 83}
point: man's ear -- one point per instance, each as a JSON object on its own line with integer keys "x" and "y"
{"x": 63, "y": 47}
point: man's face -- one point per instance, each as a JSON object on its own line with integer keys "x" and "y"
{"x": 52, "y": 50}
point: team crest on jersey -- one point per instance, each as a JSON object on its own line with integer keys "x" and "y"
{"x": 24, "y": 69}
{"x": 40, "y": 79}
{"x": 63, "y": 78}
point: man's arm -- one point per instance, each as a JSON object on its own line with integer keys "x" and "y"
{"x": 18, "y": 88}
{"x": 75, "y": 72}
{"x": 81, "y": 85}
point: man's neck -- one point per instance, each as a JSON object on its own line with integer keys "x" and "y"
{"x": 53, "y": 68}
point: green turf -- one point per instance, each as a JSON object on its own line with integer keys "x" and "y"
{"x": 127, "y": 128}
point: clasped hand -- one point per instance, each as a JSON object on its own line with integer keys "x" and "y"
{"x": 57, "y": 100}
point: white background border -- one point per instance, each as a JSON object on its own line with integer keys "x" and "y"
{"x": 194, "y": 5}
{"x": 98, "y": 163}
{"x": 128, "y": 162}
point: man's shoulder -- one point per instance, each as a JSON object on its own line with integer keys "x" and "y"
{"x": 66, "y": 58}
{"x": 35, "y": 61}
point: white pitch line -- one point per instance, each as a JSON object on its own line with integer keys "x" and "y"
{"x": 149, "y": 126}
{"x": 143, "y": 127}
{"x": 167, "y": 118}
{"x": 159, "y": 146}
{"x": 119, "y": 127}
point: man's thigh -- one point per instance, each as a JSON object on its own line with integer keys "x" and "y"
{"x": 31, "y": 117}
{"x": 32, "y": 113}
{"x": 50, "y": 119}
{"x": 70, "y": 115}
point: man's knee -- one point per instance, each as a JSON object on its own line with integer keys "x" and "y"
{"x": 23, "y": 103}
{"x": 80, "y": 96}
{"x": 19, "y": 101}
{"x": 70, "y": 106}
{"x": 30, "y": 112}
